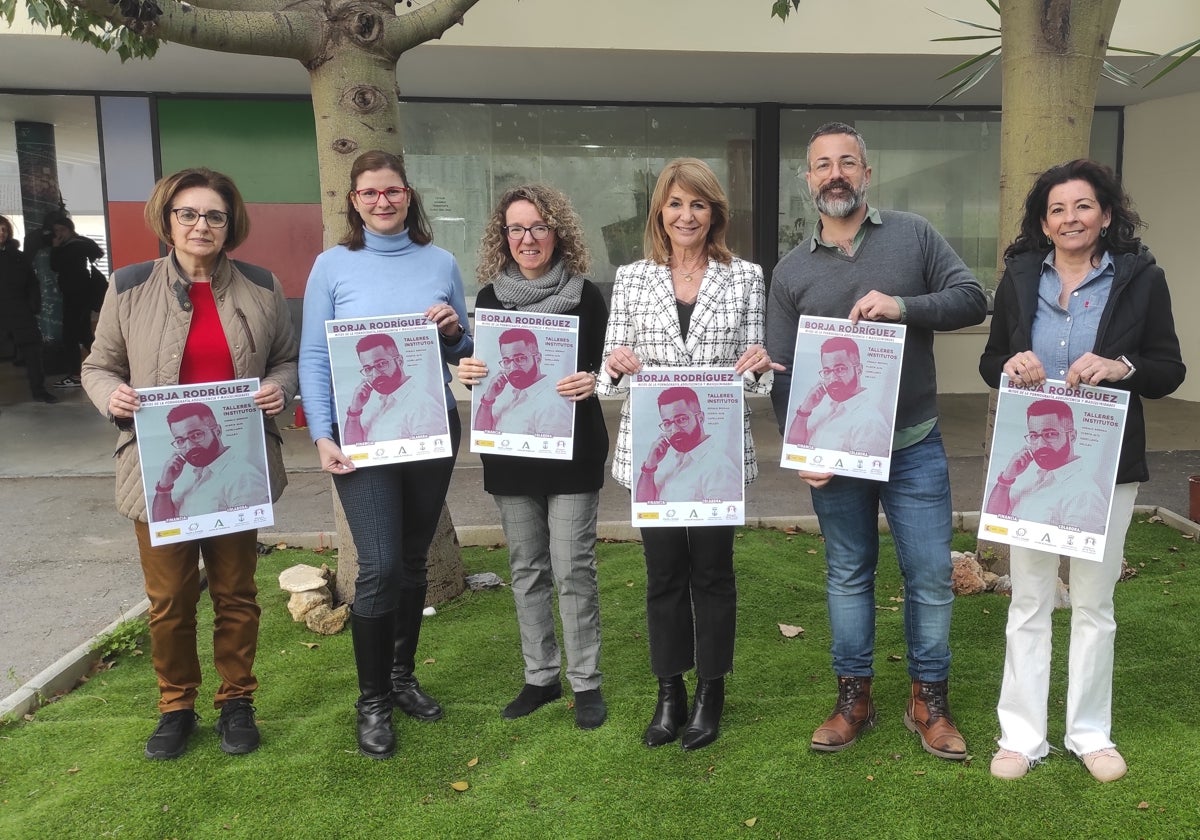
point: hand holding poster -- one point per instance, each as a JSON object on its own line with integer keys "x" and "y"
{"x": 1053, "y": 467}
{"x": 842, "y": 405}
{"x": 204, "y": 460}
{"x": 516, "y": 409}
{"x": 388, "y": 389}
{"x": 687, "y": 447}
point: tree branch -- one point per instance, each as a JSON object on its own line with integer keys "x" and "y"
{"x": 291, "y": 34}
{"x": 423, "y": 24}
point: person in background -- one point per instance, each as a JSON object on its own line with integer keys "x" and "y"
{"x": 691, "y": 302}
{"x": 386, "y": 264}
{"x": 1082, "y": 300}
{"x": 20, "y": 300}
{"x": 195, "y": 316}
{"x": 71, "y": 256}
{"x": 866, "y": 264}
{"x": 534, "y": 258}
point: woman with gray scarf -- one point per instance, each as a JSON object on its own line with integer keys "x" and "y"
{"x": 534, "y": 258}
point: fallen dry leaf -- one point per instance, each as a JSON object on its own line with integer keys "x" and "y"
{"x": 73, "y": 770}
{"x": 281, "y": 546}
{"x": 870, "y": 778}
{"x": 894, "y": 657}
{"x": 473, "y": 762}
{"x": 460, "y": 786}
{"x": 1143, "y": 805}
{"x": 311, "y": 645}
{"x": 750, "y": 822}
{"x": 429, "y": 661}
{"x": 887, "y": 609}
{"x": 791, "y": 631}
{"x": 812, "y": 551}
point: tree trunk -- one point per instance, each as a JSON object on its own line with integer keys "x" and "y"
{"x": 357, "y": 108}
{"x": 1051, "y": 55}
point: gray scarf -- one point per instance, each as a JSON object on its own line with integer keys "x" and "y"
{"x": 555, "y": 291}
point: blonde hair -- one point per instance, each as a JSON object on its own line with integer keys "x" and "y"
{"x": 556, "y": 210}
{"x": 697, "y": 177}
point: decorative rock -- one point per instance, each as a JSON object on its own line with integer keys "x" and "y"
{"x": 327, "y": 622}
{"x": 1062, "y": 597}
{"x": 302, "y": 603}
{"x": 484, "y": 580}
{"x": 301, "y": 578}
{"x": 1003, "y": 585}
{"x": 989, "y": 579}
{"x": 967, "y": 575}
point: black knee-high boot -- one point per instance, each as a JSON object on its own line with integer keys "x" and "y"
{"x": 373, "y": 640}
{"x": 406, "y": 691}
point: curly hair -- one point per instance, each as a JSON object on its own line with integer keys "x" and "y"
{"x": 556, "y": 211}
{"x": 416, "y": 223}
{"x": 696, "y": 177}
{"x": 1121, "y": 236}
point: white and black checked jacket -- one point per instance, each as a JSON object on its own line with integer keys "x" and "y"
{"x": 729, "y": 316}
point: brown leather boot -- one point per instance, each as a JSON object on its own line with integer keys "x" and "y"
{"x": 853, "y": 713}
{"x": 929, "y": 716}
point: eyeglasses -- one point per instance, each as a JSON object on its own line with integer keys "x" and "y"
{"x": 1050, "y": 436}
{"x": 838, "y": 371}
{"x": 382, "y": 366}
{"x": 517, "y": 232}
{"x": 848, "y": 165}
{"x": 371, "y": 195}
{"x": 520, "y": 360}
{"x": 189, "y": 216}
{"x": 679, "y": 421}
{"x": 194, "y": 437}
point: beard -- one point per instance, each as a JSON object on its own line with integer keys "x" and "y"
{"x": 687, "y": 441}
{"x": 202, "y": 456}
{"x": 841, "y": 391}
{"x": 1049, "y": 458}
{"x": 839, "y": 207}
{"x": 522, "y": 379}
{"x": 388, "y": 383}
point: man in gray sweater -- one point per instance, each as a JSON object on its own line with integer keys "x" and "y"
{"x": 868, "y": 265}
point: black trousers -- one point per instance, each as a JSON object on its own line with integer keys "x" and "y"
{"x": 393, "y": 512}
{"x": 691, "y": 600}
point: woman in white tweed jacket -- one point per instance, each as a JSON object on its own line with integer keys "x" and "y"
{"x": 690, "y": 303}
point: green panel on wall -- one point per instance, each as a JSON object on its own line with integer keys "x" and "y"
{"x": 269, "y": 148}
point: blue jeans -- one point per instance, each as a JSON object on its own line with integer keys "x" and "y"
{"x": 916, "y": 501}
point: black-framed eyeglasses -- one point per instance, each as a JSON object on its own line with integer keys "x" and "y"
{"x": 517, "y": 232}
{"x": 190, "y": 216}
{"x": 679, "y": 421}
{"x": 839, "y": 370}
{"x": 382, "y": 366}
{"x": 1052, "y": 437}
{"x": 371, "y": 195}
{"x": 194, "y": 437}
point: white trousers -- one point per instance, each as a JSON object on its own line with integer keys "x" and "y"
{"x": 1025, "y": 690}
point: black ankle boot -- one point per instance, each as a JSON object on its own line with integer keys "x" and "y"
{"x": 706, "y": 714}
{"x": 407, "y": 695}
{"x": 669, "y": 714}
{"x": 373, "y": 639}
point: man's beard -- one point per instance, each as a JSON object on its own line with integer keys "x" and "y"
{"x": 687, "y": 441}
{"x": 841, "y": 391}
{"x": 202, "y": 456}
{"x": 386, "y": 383}
{"x": 1049, "y": 458}
{"x": 522, "y": 379}
{"x": 839, "y": 208}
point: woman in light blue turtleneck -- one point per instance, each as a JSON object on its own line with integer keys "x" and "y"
{"x": 385, "y": 265}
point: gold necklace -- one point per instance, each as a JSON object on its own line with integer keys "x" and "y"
{"x": 687, "y": 275}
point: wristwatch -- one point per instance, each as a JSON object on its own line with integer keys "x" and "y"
{"x": 1125, "y": 361}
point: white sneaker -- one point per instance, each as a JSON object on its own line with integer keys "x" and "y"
{"x": 1008, "y": 764}
{"x": 1105, "y": 765}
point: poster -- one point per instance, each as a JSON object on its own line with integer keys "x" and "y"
{"x": 517, "y": 410}
{"x": 688, "y": 465}
{"x": 389, "y": 389}
{"x": 842, "y": 405}
{"x": 203, "y": 452}
{"x": 1053, "y": 467}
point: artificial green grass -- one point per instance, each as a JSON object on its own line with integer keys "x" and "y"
{"x": 77, "y": 769}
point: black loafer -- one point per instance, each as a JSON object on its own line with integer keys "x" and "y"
{"x": 531, "y": 698}
{"x": 590, "y": 711}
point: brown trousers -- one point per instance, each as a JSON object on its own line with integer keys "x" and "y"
{"x": 172, "y": 577}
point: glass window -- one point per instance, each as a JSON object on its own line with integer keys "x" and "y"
{"x": 943, "y": 165}
{"x": 463, "y": 156}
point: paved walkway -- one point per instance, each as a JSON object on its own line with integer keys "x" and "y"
{"x": 70, "y": 567}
